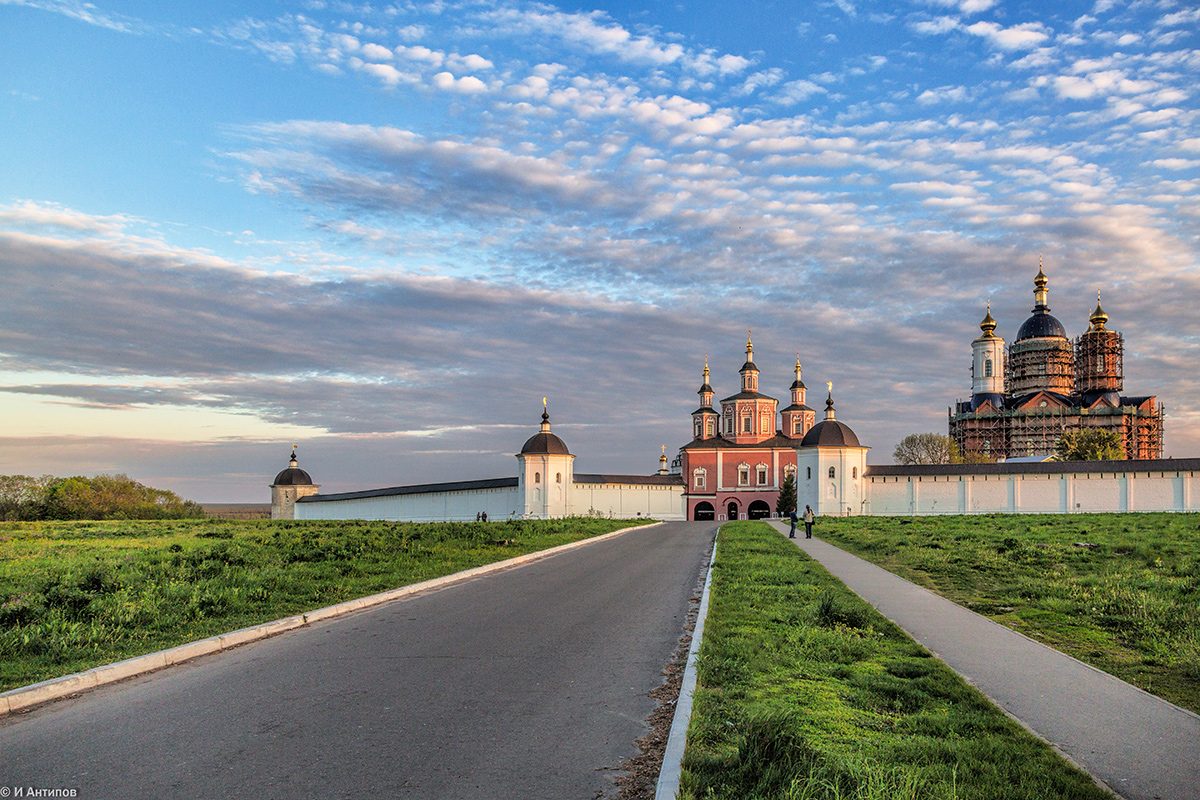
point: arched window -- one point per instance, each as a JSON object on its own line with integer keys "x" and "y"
{"x": 987, "y": 368}
{"x": 709, "y": 428}
{"x": 696, "y": 428}
{"x": 762, "y": 474}
{"x": 744, "y": 475}
{"x": 746, "y": 425}
{"x": 789, "y": 470}
{"x": 808, "y": 473}
{"x": 537, "y": 477}
{"x": 558, "y": 477}
{"x": 698, "y": 477}
{"x": 832, "y": 472}
{"x": 854, "y": 472}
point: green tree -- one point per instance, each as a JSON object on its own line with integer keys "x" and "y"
{"x": 79, "y": 497}
{"x": 786, "y": 503}
{"x": 1089, "y": 444}
{"x": 927, "y": 448}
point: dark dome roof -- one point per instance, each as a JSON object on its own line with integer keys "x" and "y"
{"x": 1041, "y": 325}
{"x": 545, "y": 442}
{"x": 293, "y": 476}
{"x": 830, "y": 433}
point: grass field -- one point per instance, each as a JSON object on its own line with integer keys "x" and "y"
{"x": 1118, "y": 591}
{"x": 805, "y": 691}
{"x": 74, "y": 595}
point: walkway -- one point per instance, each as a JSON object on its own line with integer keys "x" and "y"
{"x": 531, "y": 682}
{"x": 1142, "y": 747}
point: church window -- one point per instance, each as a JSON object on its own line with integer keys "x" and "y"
{"x": 832, "y": 472}
{"x": 1102, "y": 362}
{"x": 789, "y": 470}
{"x": 854, "y": 472}
{"x": 537, "y": 477}
{"x": 708, "y": 428}
{"x": 766, "y": 426}
{"x": 762, "y": 475}
{"x": 558, "y": 477}
{"x": 696, "y": 427}
{"x": 744, "y": 475}
{"x": 808, "y": 473}
{"x": 698, "y": 478}
{"x": 796, "y": 426}
{"x": 987, "y": 368}
{"x": 746, "y": 425}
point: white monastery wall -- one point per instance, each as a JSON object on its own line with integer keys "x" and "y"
{"x": 423, "y": 507}
{"x": 1031, "y": 493}
{"x": 623, "y": 501}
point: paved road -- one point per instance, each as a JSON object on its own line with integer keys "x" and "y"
{"x": 528, "y": 683}
{"x": 1141, "y": 746}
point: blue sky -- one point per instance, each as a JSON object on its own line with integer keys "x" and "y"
{"x": 385, "y": 232}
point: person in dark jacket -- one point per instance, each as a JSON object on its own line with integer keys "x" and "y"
{"x": 794, "y": 519}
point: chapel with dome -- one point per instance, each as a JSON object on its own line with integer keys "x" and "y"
{"x": 1025, "y": 397}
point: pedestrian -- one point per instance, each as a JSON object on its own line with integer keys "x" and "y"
{"x": 794, "y": 519}
{"x": 808, "y": 521}
{"x": 485, "y": 516}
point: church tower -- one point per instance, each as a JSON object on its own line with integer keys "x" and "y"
{"x": 290, "y": 485}
{"x": 987, "y": 366}
{"x": 545, "y": 473}
{"x": 705, "y": 419}
{"x": 1099, "y": 361}
{"x": 748, "y": 417}
{"x": 797, "y": 418}
{"x": 1041, "y": 358}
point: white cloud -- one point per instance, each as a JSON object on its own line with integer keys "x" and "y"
{"x": 1018, "y": 37}
{"x": 376, "y": 52}
{"x": 794, "y": 92}
{"x": 935, "y": 26}
{"x": 468, "y": 84}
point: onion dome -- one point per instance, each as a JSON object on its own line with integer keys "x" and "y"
{"x": 1042, "y": 325}
{"x": 544, "y": 442}
{"x": 830, "y": 432}
{"x": 988, "y": 325}
{"x": 293, "y": 475}
{"x": 1098, "y": 317}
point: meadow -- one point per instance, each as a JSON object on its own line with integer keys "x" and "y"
{"x": 75, "y": 595}
{"x": 1118, "y": 591}
{"x": 805, "y": 692}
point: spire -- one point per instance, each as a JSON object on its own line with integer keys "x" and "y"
{"x": 662, "y": 462}
{"x": 545, "y": 417}
{"x": 829, "y": 401}
{"x": 1098, "y": 317}
{"x": 292, "y": 461}
{"x": 706, "y": 389}
{"x": 749, "y": 347}
{"x": 1039, "y": 291}
{"x": 988, "y": 325}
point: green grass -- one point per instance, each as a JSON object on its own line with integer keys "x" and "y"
{"x": 1129, "y": 605}
{"x": 75, "y": 595}
{"x": 805, "y": 691}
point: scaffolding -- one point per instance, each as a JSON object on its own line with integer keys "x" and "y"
{"x": 1099, "y": 362}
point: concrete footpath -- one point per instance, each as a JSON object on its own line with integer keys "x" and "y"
{"x": 1142, "y": 747}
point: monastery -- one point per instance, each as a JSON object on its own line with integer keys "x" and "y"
{"x": 740, "y": 456}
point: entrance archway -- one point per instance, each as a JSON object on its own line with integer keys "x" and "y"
{"x": 731, "y": 511}
{"x": 758, "y": 510}
{"x": 704, "y": 511}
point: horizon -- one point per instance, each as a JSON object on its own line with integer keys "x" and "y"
{"x": 385, "y": 232}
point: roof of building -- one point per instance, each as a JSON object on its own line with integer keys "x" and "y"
{"x": 797, "y": 407}
{"x": 293, "y": 475}
{"x": 544, "y": 442}
{"x": 1041, "y": 325}
{"x": 830, "y": 433}
{"x": 706, "y": 410}
{"x": 637, "y": 480}
{"x": 423, "y": 488}
{"x": 720, "y": 442}
{"x": 749, "y": 396}
{"x": 1039, "y": 467}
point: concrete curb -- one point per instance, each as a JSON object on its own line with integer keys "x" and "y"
{"x": 672, "y": 766}
{"x": 26, "y": 697}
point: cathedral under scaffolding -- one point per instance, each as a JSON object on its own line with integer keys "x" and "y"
{"x": 1048, "y": 385}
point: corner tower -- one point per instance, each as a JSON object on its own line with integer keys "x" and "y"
{"x": 290, "y": 485}
{"x": 545, "y": 473}
{"x": 1099, "y": 361}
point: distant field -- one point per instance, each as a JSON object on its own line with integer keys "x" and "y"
{"x": 806, "y": 692}
{"x": 1118, "y": 591}
{"x": 75, "y": 595}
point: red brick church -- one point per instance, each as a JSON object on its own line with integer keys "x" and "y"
{"x": 739, "y": 457}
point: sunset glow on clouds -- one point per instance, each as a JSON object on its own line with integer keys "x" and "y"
{"x": 386, "y": 231}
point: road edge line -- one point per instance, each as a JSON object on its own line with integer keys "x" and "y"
{"x": 672, "y": 766}
{"x": 26, "y": 697}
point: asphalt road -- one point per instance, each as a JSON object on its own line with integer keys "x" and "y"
{"x": 527, "y": 683}
{"x": 1139, "y": 745}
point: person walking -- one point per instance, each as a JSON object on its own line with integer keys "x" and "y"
{"x": 809, "y": 516}
{"x": 794, "y": 519}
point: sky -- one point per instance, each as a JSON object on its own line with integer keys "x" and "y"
{"x": 384, "y": 232}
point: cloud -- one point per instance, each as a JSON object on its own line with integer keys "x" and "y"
{"x": 1017, "y": 37}
{"x": 468, "y": 84}
{"x": 83, "y": 12}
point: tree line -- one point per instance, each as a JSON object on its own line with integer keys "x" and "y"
{"x": 102, "y": 497}
{"x": 1085, "y": 444}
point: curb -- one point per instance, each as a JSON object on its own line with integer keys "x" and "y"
{"x": 25, "y": 697}
{"x": 672, "y": 766}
